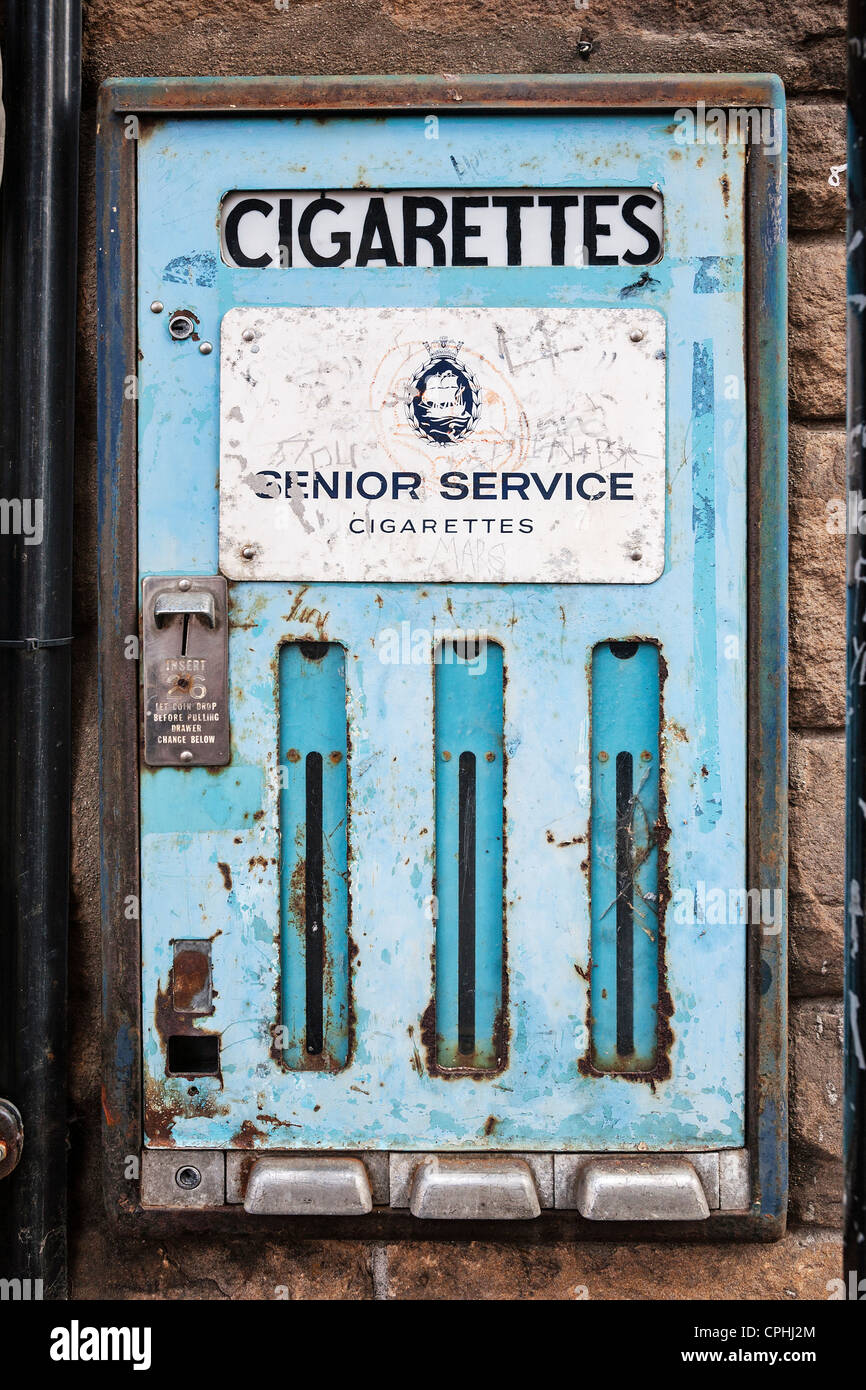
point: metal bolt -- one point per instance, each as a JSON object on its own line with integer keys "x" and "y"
{"x": 603, "y": 757}
{"x": 636, "y": 335}
{"x": 188, "y": 1177}
{"x": 646, "y": 757}
{"x": 491, "y": 757}
{"x": 186, "y": 756}
{"x": 205, "y": 348}
{"x": 636, "y": 555}
{"x": 248, "y": 335}
{"x": 248, "y": 552}
{"x": 185, "y": 584}
{"x": 157, "y": 306}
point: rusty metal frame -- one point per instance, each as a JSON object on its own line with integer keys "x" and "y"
{"x": 120, "y": 102}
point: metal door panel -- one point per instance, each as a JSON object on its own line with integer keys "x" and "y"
{"x": 547, "y": 1095}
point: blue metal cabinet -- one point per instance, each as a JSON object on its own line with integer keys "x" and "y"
{"x": 459, "y": 894}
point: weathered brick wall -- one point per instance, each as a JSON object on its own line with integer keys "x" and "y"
{"x": 804, "y": 43}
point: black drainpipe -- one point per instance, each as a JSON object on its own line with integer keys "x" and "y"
{"x": 38, "y": 246}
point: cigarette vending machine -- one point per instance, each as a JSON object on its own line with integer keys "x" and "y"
{"x": 443, "y": 650}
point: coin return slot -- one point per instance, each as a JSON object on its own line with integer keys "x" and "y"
{"x": 194, "y": 1054}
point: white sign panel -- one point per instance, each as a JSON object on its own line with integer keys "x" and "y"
{"x": 486, "y": 445}
{"x": 301, "y": 229}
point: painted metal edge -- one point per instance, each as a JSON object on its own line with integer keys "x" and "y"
{"x": 117, "y": 678}
{"x": 466, "y": 92}
{"x": 767, "y": 767}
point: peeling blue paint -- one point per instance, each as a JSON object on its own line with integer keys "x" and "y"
{"x": 197, "y": 269}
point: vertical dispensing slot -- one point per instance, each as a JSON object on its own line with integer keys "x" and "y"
{"x": 314, "y": 896}
{"x": 469, "y": 853}
{"x": 624, "y": 858}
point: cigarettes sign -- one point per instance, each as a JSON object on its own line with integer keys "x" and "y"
{"x": 434, "y": 227}
{"x": 513, "y": 444}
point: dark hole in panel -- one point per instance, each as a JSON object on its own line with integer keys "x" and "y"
{"x": 467, "y": 648}
{"x": 314, "y": 907}
{"x": 314, "y": 651}
{"x": 623, "y": 650}
{"x": 194, "y": 1054}
{"x": 624, "y": 906}
{"x": 466, "y": 795}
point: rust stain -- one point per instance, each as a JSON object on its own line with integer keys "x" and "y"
{"x": 159, "y": 1117}
{"x": 490, "y": 1124}
{"x": 190, "y": 975}
{"x": 110, "y": 1116}
{"x": 227, "y": 876}
{"x": 417, "y": 1064}
{"x": 246, "y": 1136}
{"x": 725, "y": 183}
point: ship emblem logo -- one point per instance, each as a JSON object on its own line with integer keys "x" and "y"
{"x": 443, "y": 400}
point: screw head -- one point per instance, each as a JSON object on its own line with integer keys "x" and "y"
{"x": 248, "y": 335}
{"x": 248, "y": 552}
{"x": 205, "y": 349}
{"x": 186, "y": 756}
{"x": 603, "y": 757}
{"x": 636, "y": 335}
{"x": 157, "y": 306}
{"x": 185, "y": 584}
{"x": 637, "y": 555}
